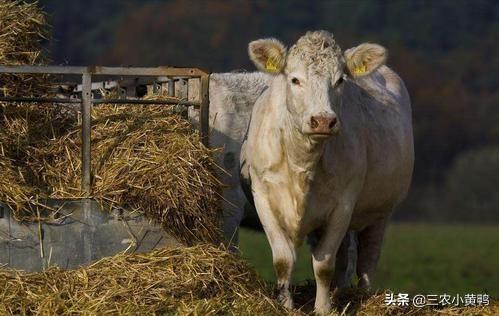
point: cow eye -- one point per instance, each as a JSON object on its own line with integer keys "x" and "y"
{"x": 295, "y": 81}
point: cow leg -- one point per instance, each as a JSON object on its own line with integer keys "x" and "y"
{"x": 324, "y": 257}
{"x": 232, "y": 216}
{"x": 283, "y": 250}
{"x": 346, "y": 260}
{"x": 369, "y": 248}
{"x": 283, "y": 257}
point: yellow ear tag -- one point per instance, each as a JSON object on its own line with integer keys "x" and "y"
{"x": 271, "y": 65}
{"x": 360, "y": 69}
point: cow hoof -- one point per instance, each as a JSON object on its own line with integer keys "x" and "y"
{"x": 286, "y": 301}
{"x": 364, "y": 283}
{"x": 322, "y": 310}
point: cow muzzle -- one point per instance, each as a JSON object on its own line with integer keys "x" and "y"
{"x": 323, "y": 124}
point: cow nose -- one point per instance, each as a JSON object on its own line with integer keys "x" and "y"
{"x": 323, "y": 124}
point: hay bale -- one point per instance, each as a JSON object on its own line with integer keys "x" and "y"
{"x": 13, "y": 189}
{"x": 23, "y": 28}
{"x": 198, "y": 281}
{"x": 22, "y": 128}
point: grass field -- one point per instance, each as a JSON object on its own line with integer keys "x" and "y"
{"x": 416, "y": 258}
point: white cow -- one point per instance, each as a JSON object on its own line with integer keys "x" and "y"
{"x": 232, "y": 96}
{"x": 329, "y": 148}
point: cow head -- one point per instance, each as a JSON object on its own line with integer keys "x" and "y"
{"x": 313, "y": 72}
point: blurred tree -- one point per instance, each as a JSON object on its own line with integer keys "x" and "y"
{"x": 83, "y": 29}
{"x": 471, "y": 186}
{"x": 210, "y": 34}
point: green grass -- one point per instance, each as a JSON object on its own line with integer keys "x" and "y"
{"x": 416, "y": 258}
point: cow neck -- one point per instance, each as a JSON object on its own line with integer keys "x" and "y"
{"x": 302, "y": 152}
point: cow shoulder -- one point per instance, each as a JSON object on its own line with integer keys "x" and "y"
{"x": 263, "y": 147}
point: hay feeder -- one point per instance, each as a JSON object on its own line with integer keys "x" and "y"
{"x": 71, "y": 228}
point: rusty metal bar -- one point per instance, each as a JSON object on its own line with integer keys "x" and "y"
{"x": 140, "y": 101}
{"x": 59, "y": 70}
{"x": 39, "y": 100}
{"x": 182, "y": 95}
{"x": 100, "y": 70}
{"x": 86, "y": 129}
{"x": 140, "y": 71}
{"x": 101, "y": 101}
{"x": 171, "y": 87}
{"x": 204, "y": 110}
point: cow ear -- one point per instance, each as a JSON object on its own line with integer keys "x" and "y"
{"x": 269, "y": 55}
{"x": 364, "y": 59}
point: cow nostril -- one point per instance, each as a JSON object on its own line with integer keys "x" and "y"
{"x": 314, "y": 123}
{"x": 332, "y": 123}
